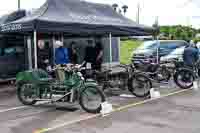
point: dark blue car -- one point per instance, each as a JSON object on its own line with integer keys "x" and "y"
{"x": 148, "y": 50}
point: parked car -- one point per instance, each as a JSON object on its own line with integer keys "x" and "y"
{"x": 148, "y": 50}
{"x": 175, "y": 54}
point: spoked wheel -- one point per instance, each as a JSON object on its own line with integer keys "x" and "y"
{"x": 140, "y": 85}
{"x": 26, "y": 94}
{"x": 91, "y": 98}
{"x": 184, "y": 78}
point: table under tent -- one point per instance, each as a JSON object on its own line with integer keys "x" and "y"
{"x": 77, "y": 20}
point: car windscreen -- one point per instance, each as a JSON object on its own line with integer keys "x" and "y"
{"x": 147, "y": 45}
{"x": 172, "y": 45}
{"x": 178, "y": 51}
{"x": 163, "y": 45}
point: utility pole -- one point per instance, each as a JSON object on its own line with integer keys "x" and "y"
{"x": 138, "y": 13}
{"x": 19, "y": 6}
{"x": 188, "y": 21}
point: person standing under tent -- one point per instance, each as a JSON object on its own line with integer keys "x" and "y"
{"x": 98, "y": 54}
{"x": 94, "y": 54}
{"x": 61, "y": 54}
{"x": 44, "y": 55}
{"x": 90, "y": 53}
{"x": 61, "y": 58}
{"x": 73, "y": 53}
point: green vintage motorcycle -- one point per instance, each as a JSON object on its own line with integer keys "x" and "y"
{"x": 68, "y": 86}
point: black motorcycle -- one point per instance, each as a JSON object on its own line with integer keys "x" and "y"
{"x": 156, "y": 72}
{"x": 137, "y": 83}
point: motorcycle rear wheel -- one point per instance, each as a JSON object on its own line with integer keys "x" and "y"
{"x": 139, "y": 85}
{"x": 25, "y": 94}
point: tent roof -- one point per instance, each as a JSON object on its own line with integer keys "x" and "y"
{"x": 12, "y": 16}
{"x": 76, "y": 17}
{"x": 3, "y": 19}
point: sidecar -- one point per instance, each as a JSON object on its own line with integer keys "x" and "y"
{"x": 36, "y": 76}
{"x": 31, "y": 85}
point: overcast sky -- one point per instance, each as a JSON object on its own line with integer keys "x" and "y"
{"x": 169, "y": 12}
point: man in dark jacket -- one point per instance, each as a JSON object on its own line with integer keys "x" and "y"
{"x": 94, "y": 54}
{"x": 73, "y": 53}
{"x": 44, "y": 55}
{"x": 98, "y": 54}
{"x": 191, "y": 55}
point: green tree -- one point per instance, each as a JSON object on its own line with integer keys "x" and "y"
{"x": 179, "y": 32}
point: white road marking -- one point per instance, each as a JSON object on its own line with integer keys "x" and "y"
{"x": 10, "y": 109}
{"x": 115, "y": 110}
{"x": 21, "y": 107}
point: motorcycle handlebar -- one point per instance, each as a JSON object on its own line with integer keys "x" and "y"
{"x": 68, "y": 67}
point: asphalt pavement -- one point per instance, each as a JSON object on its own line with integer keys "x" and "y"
{"x": 171, "y": 114}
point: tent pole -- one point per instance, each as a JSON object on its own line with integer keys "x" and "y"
{"x": 35, "y": 48}
{"x": 54, "y": 41}
{"x": 158, "y": 45}
{"x": 30, "y": 64}
{"x": 110, "y": 37}
{"x": 119, "y": 50}
{"x": 62, "y": 38}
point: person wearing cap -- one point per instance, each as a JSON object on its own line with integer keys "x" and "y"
{"x": 191, "y": 54}
{"x": 61, "y": 54}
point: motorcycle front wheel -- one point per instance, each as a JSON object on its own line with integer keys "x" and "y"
{"x": 184, "y": 78}
{"x": 91, "y": 98}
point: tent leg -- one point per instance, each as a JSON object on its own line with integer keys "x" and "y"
{"x": 158, "y": 45}
{"x": 110, "y": 37}
{"x": 119, "y": 50}
{"x": 62, "y": 38}
{"x": 30, "y": 64}
{"x": 54, "y": 48}
{"x": 35, "y": 49}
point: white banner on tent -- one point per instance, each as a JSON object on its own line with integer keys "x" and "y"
{"x": 11, "y": 27}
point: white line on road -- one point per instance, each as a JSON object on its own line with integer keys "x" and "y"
{"x": 21, "y": 107}
{"x": 10, "y": 109}
{"x": 97, "y": 115}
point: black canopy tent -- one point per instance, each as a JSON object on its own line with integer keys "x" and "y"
{"x": 75, "y": 17}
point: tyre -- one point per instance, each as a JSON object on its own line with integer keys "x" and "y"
{"x": 139, "y": 85}
{"x": 184, "y": 78}
{"x": 91, "y": 98}
{"x": 26, "y": 94}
